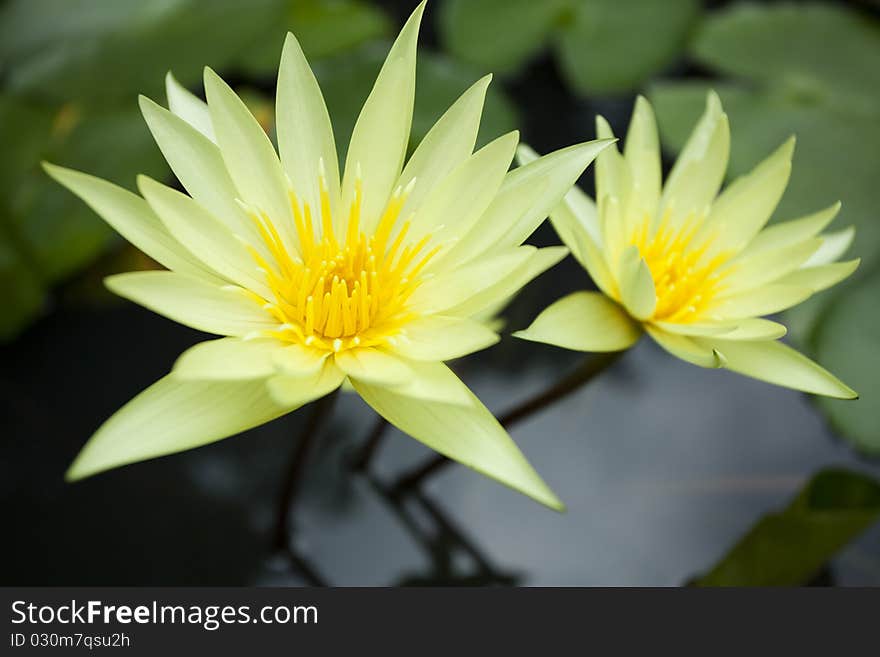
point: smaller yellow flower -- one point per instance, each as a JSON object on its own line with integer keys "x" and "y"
{"x": 694, "y": 269}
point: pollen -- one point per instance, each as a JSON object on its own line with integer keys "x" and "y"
{"x": 688, "y": 273}
{"x": 342, "y": 291}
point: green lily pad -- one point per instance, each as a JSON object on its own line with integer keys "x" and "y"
{"x": 610, "y": 46}
{"x": 790, "y": 547}
{"x": 813, "y": 52}
{"x": 323, "y": 27}
{"x": 499, "y": 36}
{"x": 847, "y": 341}
{"x": 94, "y": 51}
{"x": 604, "y": 46}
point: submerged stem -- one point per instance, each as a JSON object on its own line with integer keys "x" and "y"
{"x": 295, "y": 470}
{"x": 361, "y": 460}
{"x": 584, "y": 373}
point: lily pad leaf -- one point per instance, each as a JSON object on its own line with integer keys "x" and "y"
{"x": 790, "y": 547}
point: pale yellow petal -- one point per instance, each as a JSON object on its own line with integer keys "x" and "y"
{"x": 305, "y": 135}
{"x": 685, "y": 347}
{"x": 584, "y": 321}
{"x": 381, "y": 134}
{"x": 250, "y": 157}
{"x": 537, "y": 262}
{"x": 468, "y": 434}
{"x": 204, "y": 236}
{"x": 452, "y": 207}
{"x": 189, "y": 107}
{"x": 699, "y": 170}
{"x": 820, "y": 277}
{"x": 765, "y": 300}
{"x": 786, "y": 233}
{"x": 130, "y": 215}
{"x": 636, "y": 285}
{"x": 833, "y": 246}
{"x": 287, "y": 389}
{"x": 198, "y": 165}
{"x": 211, "y": 308}
{"x": 434, "y": 382}
{"x": 448, "y": 143}
{"x": 642, "y": 154}
{"x": 374, "y": 366}
{"x": 745, "y": 206}
{"x": 452, "y": 288}
{"x": 227, "y": 359}
{"x": 172, "y": 416}
{"x": 298, "y": 360}
{"x": 438, "y": 337}
{"x": 779, "y": 364}
{"x": 767, "y": 266}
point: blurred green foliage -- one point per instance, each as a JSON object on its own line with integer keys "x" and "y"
{"x": 603, "y": 46}
{"x": 70, "y": 73}
{"x": 777, "y": 83}
{"x": 790, "y": 547}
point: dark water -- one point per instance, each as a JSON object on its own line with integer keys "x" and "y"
{"x": 662, "y": 465}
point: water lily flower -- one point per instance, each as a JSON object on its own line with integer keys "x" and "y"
{"x": 694, "y": 269}
{"x": 374, "y": 279}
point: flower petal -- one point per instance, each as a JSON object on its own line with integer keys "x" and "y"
{"x": 439, "y": 338}
{"x": 452, "y": 207}
{"x": 305, "y": 134}
{"x": 751, "y": 328}
{"x": 381, "y": 134}
{"x": 760, "y": 301}
{"x": 204, "y": 236}
{"x": 642, "y": 154}
{"x": 225, "y": 310}
{"x": 636, "y": 284}
{"x": 743, "y": 209}
{"x": 833, "y": 246}
{"x": 172, "y": 416}
{"x": 699, "y": 170}
{"x": 779, "y": 364}
{"x": 538, "y": 261}
{"x": 298, "y": 360}
{"x": 435, "y": 382}
{"x": 685, "y": 347}
{"x": 448, "y": 143}
{"x": 467, "y": 434}
{"x": 227, "y": 359}
{"x": 373, "y": 365}
{"x": 286, "y": 389}
{"x": 820, "y": 277}
{"x": 198, "y": 165}
{"x": 130, "y": 215}
{"x": 189, "y": 107}
{"x": 584, "y": 321}
{"x": 529, "y": 193}
{"x": 250, "y": 157}
{"x": 768, "y": 266}
{"x": 786, "y": 233}
{"x": 454, "y": 287}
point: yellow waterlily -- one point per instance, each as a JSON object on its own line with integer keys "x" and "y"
{"x": 693, "y": 268}
{"x": 374, "y": 279}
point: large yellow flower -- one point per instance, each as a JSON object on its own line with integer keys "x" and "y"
{"x": 377, "y": 278}
{"x": 694, "y": 269}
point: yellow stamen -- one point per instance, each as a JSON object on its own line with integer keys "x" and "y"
{"x": 334, "y": 296}
{"x": 688, "y": 273}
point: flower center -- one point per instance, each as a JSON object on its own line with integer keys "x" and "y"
{"x": 687, "y": 277}
{"x": 335, "y": 295}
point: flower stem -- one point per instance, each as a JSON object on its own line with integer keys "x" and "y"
{"x": 585, "y": 373}
{"x": 362, "y": 458}
{"x": 295, "y": 470}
